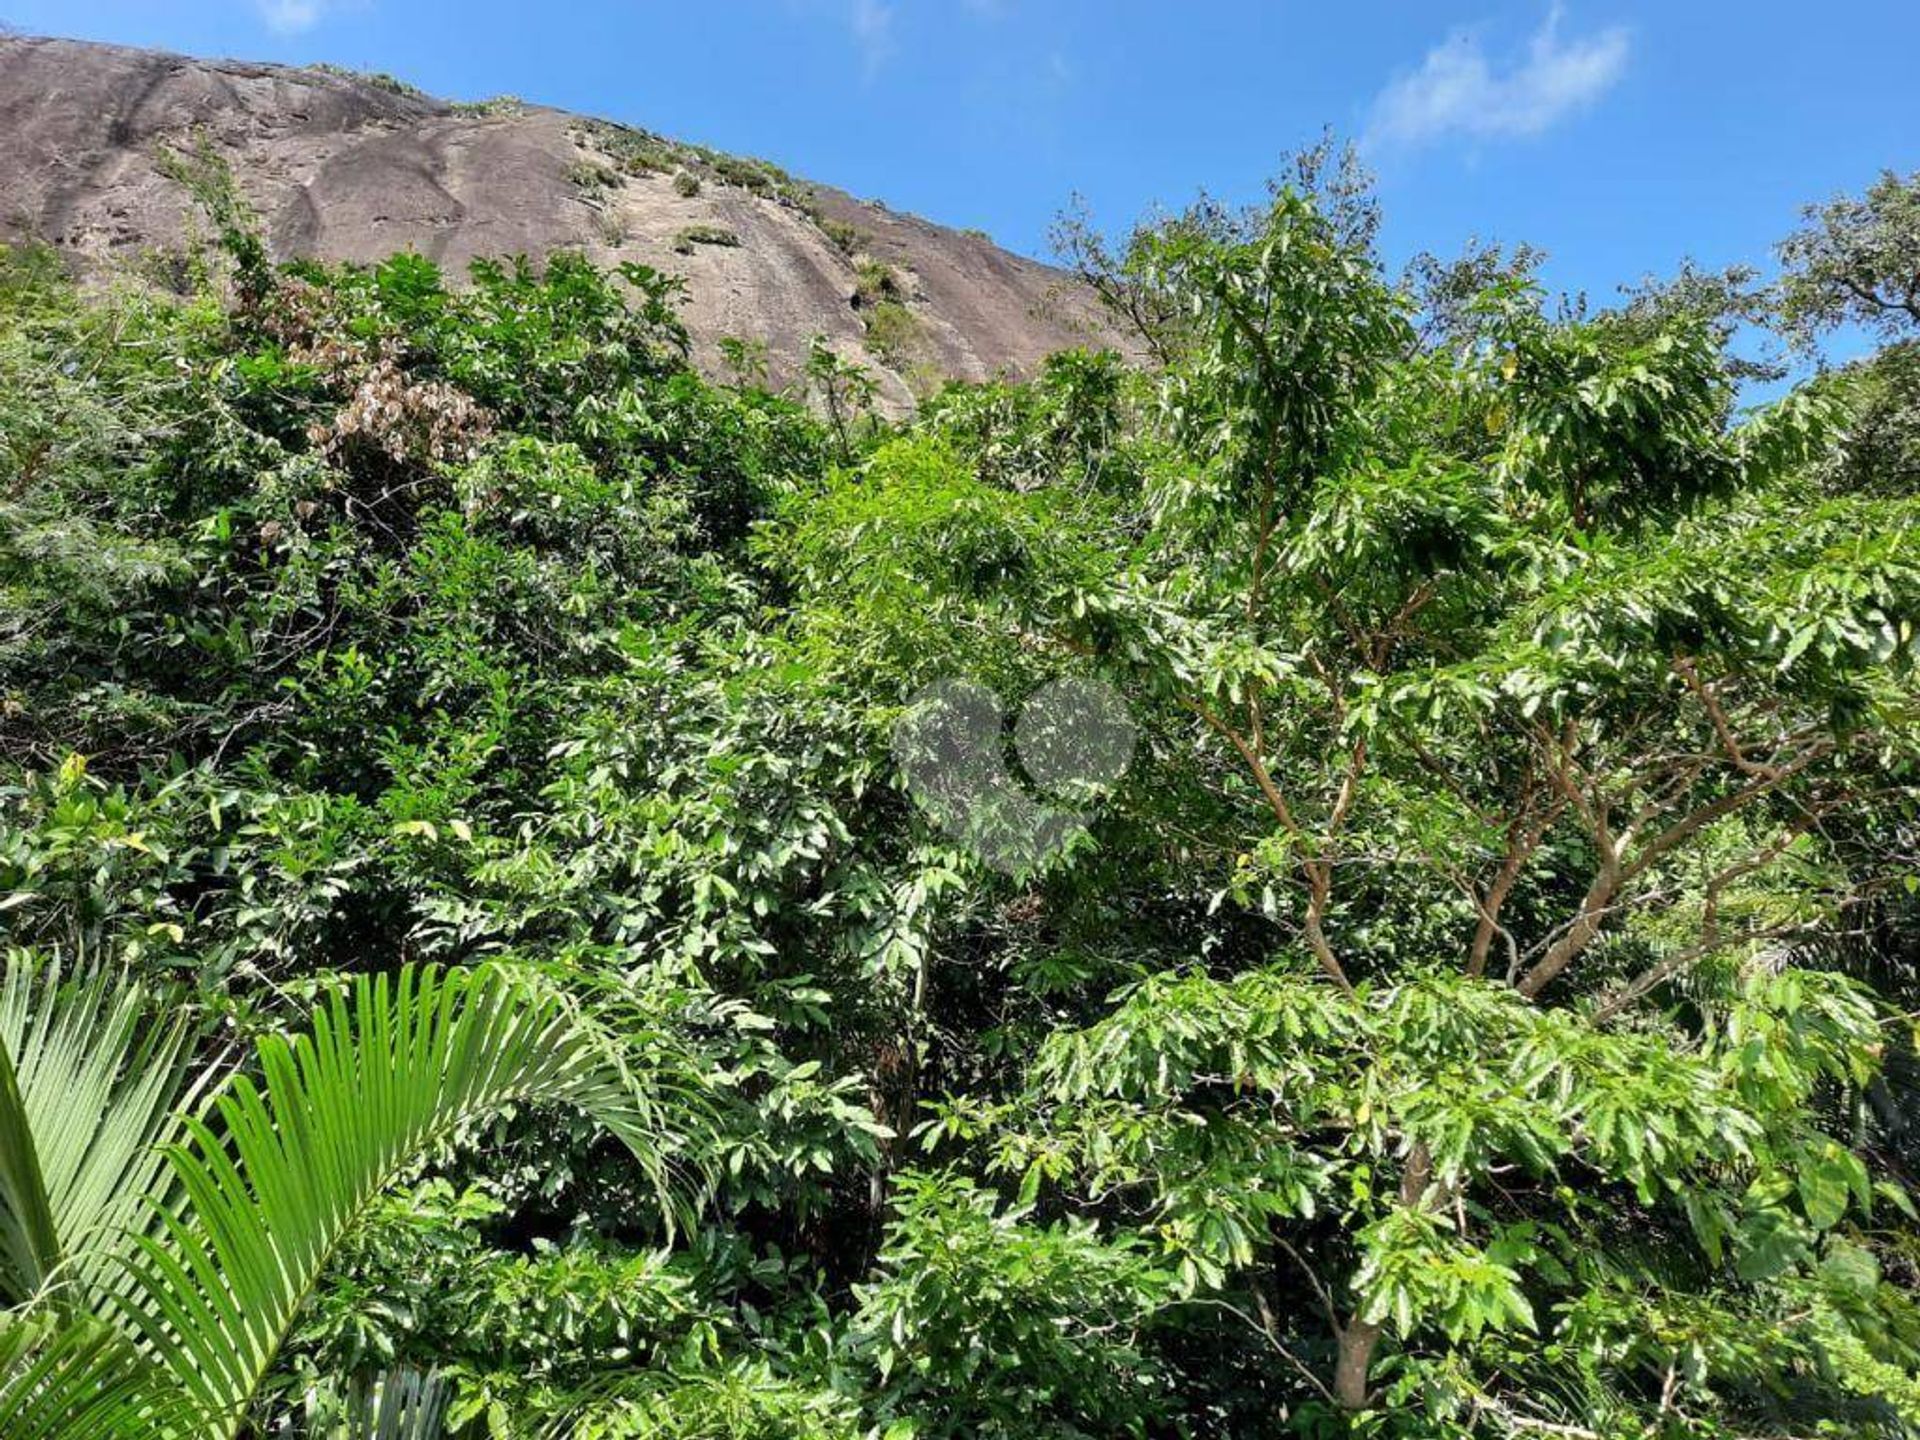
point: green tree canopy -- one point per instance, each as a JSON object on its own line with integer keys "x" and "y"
{"x": 487, "y": 960}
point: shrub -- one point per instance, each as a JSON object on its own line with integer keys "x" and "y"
{"x": 590, "y": 177}
{"x": 762, "y": 177}
{"x": 844, "y": 237}
{"x": 875, "y": 282}
{"x": 638, "y": 152}
{"x": 378, "y": 79}
{"x": 611, "y": 226}
{"x": 892, "y": 331}
{"x": 491, "y": 106}
{"x": 704, "y": 235}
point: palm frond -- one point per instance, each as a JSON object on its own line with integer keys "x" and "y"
{"x": 29, "y": 1242}
{"x": 403, "y": 1404}
{"x": 77, "y": 1379}
{"x": 387, "y": 1073}
{"x": 89, "y": 1090}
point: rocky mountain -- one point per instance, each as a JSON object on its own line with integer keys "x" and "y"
{"x": 347, "y": 166}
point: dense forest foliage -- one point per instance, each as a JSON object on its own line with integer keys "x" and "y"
{"x": 480, "y": 964}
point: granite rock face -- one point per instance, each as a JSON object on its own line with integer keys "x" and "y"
{"x": 342, "y": 166}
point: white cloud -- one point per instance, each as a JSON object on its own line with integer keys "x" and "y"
{"x": 290, "y": 17}
{"x": 1457, "y": 91}
{"x": 872, "y": 24}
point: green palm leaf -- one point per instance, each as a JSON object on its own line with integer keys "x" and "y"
{"x": 77, "y": 1379}
{"x": 402, "y": 1404}
{"x": 405, "y": 1405}
{"x": 89, "y": 1088}
{"x": 388, "y": 1073}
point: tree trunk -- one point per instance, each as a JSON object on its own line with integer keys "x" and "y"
{"x": 1355, "y": 1361}
{"x": 1353, "y": 1364}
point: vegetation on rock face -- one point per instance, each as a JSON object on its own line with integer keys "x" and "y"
{"x": 641, "y": 152}
{"x": 694, "y": 235}
{"x": 379, "y": 79}
{"x": 475, "y": 967}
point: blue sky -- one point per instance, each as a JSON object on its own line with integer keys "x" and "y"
{"x": 1618, "y": 135}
